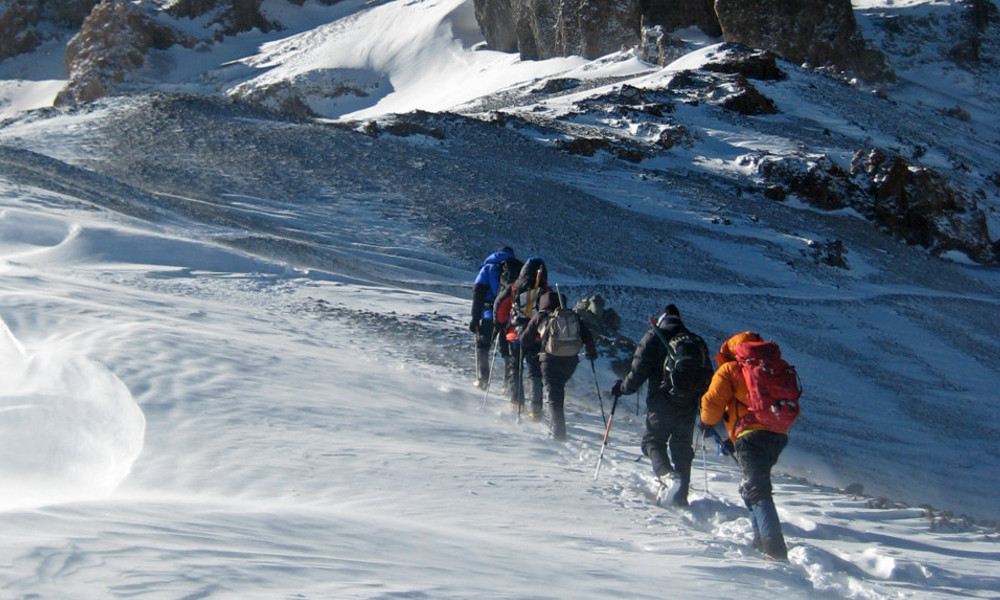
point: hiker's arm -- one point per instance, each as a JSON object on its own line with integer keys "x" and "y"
{"x": 478, "y": 300}
{"x": 642, "y": 366}
{"x": 530, "y": 334}
{"x": 589, "y": 347}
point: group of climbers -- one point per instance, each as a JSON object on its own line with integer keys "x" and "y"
{"x": 534, "y": 332}
{"x": 747, "y": 403}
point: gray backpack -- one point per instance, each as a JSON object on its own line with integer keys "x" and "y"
{"x": 560, "y": 333}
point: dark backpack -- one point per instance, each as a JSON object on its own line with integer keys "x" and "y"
{"x": 687, "y": 369}
{"x": 560, "y": 333}
{"x": 533, "y": 275}
{"x": 510, "y": 268}
{"x": 772, "y": 385}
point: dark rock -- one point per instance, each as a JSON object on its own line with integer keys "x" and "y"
{"x": 540, "y": 29}
{"x": 749, "y": 101}
{"x": 67, "y": 13}
{"x": 18, "y": 33}
{"x": 760, "y": 65}
{"x": 821, "y": 33}
{"x": 672, "y": 15}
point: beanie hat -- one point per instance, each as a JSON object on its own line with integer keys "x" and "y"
{"x": 668, "y": 311}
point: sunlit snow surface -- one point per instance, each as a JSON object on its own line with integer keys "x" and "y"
{"x": 236, "y": 361}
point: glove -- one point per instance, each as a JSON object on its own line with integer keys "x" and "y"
{"x": 616, "y": 388}
{"x": 726, "y": 448}
{"x": 706, "y": 431}
{"x": 474, "y": 325}
{"x": 590, "y": 354}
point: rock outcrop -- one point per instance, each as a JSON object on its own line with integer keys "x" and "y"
{"x": 672, "y": 15}
{"x": 18, "y": 33}
{"x": 921, "y": 207}
{"x": 20, "y": 30}
{"x": 914, "y": 204}
{"x": 821, "y": 33}
{"x": 540, "y": 29}
{"x": 112, "y": 41}
{"x": 234, "y": 16}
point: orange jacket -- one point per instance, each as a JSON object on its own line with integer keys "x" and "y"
{"x": 726, "y": 398}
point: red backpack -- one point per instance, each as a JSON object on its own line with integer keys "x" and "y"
{"x": 772, "y": 384}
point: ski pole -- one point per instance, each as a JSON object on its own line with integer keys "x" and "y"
{"x": 593, "y": 369}
{"x": 607, "y": 430}
{"x": 493, "y": 361}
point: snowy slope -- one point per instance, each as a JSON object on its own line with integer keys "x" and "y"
{"x": 238, "y": 364}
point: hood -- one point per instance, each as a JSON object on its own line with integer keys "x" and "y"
{"x": 726, "y": 351}
{"x": 549, "y": 301}
{"x": 498, "y": 257}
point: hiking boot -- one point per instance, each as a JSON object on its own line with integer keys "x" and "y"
{"x": 680, "y": 497}
{"x": 670, "y": 489}
{"x": 773, "y": 547}
{"x": 535, "y": 416}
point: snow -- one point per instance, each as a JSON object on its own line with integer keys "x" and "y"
{"x": 236, "y": 362}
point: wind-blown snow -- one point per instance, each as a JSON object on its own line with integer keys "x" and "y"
{"x": 236, "y": 361}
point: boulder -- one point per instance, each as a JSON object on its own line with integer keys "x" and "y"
{"x": 821, "y": 33}
{"x": 112, "y": 42}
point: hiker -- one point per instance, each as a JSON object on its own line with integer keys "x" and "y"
{"x": 498, "y": 271}
{"x": 756, "y": 449}
{"x": 561, "y": 333}
{"x": 670, "y": 410}
{"x": 513, "y": 309}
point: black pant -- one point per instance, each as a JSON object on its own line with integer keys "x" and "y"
{"x": 521, "y": 354}
{"x": 670, "y": 424}
{"x": 757, "y": 452}
{"x": 556, "y": 371}
{"x": 484, "y": 335}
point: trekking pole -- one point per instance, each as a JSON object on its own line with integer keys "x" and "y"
{"x": 520, "y": 380}
{"x": 493, "y": 361}
{"x": 593, "y": 369}
{"x": 607, "y": 430}
{"x": 475, "y": 343}
{"x": 704, "y": 463}
{"x": 720, "y": 444}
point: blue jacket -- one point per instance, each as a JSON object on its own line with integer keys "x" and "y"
{"x": 487, "y": 285}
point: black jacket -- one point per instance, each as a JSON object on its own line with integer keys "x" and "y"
{"x": 647, "y": 362}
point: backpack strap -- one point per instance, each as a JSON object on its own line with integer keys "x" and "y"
{"x": 663, "y": 338}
